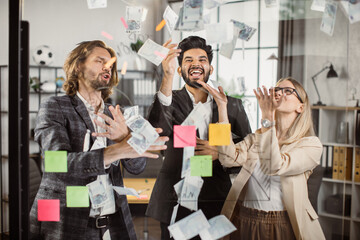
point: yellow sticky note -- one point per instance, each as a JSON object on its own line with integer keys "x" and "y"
{"x": 219, "y": 134}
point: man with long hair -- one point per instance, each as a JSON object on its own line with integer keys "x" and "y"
{"x": 171, "y": 108}
{"x": 94, "y": 135}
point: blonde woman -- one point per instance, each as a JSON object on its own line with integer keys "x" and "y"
{"x": 269, "y": 197}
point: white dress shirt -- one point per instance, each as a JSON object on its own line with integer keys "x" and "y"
{"x": 204, "y": 126}
{"x": 109, "y": 208}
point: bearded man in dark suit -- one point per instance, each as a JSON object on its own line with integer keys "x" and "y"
{"x": 171, "y": 108}
{"x": 64, "y": 123}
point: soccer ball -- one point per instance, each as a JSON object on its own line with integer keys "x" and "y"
{"x": 43, "y": 55}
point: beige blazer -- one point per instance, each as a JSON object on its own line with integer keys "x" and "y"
{"x": 293, "y": 163}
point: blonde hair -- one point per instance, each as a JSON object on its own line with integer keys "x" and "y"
{"x": 78, "y": 56}
{"x": 303, "y": 124}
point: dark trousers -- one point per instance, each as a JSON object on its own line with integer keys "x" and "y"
{"x": 116, "y": 227}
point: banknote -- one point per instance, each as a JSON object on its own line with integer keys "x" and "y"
{"x": 189, "y": 226}
{"x": 143, "y": 135}
{"x": 209, "y": 4}
{"x": 193, "y": 10}
{"x": 196, "y": 116}
{"x": 318, "y": 5}
{"x": 139, "y": 143}
{"x": 190, "y": 192}
{"x": 246, "y": 32}
{"x": 219, "y": 32}
{"x": 170, "y": 18}
{"x": 97, "y": 193}
{"x": 192, "y": 26}
{"x": 153, "y": 52}
{"x": 220, "y": 226}
{"x": 271, "y": 3}
{"x": 178, "y": 187}
{"x": 329, "y": 18}
{"x": 136, "y": 123}
{"x": 126, "y": 191}
{"x": 133, "y": 18}
{"x": 130, "y": 112}
{"x": 174, "y": 213}
{"x": 187, "y": 153}
{"x": 92, "y": 4}
{"x": 227, "y": 49}
{"x": 354, "y": 12}
{"x": 109, "y": 207}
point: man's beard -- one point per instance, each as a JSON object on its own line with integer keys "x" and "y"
{"x": 194, "y": 84}
{"x": 99, "y": 84}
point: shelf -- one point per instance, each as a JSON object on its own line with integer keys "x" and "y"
{"x": 338, "y": 144}
{"x": 336, "y": 181}
{"x": 329, "y": 215}
{"x": 356, "y": 220}
{"x": 357, "y": 183}
{"x": 336, "y": 108}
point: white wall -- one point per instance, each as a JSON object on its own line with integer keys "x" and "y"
{"x": 61, "y": 24}
{"x": 342, "y": 50}
{"x": 4, "y": 31}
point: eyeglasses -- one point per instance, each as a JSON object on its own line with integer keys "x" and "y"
{"x": 288, "y": 91}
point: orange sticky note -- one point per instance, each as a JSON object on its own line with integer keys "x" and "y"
{"x": 49, "y": 210}
{"x": 184, "y": 136}
{"x": 124, "y": 67}
{"x": 110, "y": 62}
{"x": 160, "y": 25}
{"x": 219, "y": 134}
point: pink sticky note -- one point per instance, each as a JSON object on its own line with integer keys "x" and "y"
{"x": 160, "y": 54}
{"x": 184, "y": 136}
{"x": 145, "y": 196}
{"x": 124, "y": 22}
{"x": 49, "y": 210}
{"x": 108, "y": 36}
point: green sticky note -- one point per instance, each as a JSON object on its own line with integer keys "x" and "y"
{"x": 201, "y": 165}
{"x": 77, "y": 196}
{"x": 219, "y": 134}
{"x": 55, "y": 161}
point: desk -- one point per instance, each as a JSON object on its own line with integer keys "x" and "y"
{"x": 145, "y": 185}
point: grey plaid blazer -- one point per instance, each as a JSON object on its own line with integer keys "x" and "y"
{"x": 61, "y": 125}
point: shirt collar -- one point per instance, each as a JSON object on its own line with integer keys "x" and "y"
{"x": 212, "y": 84}
{"x": 88, "y": 106}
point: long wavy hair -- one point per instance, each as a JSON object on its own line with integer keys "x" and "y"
{"x": 77, "y": 57}
{"x": 303, "y": 124}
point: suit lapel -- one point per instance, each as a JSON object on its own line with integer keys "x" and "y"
{"x": 187, "y": 105}
{"x": 83, "y": 113}
{"x": 215, "y": 114}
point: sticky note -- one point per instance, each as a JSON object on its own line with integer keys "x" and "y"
{"x": 55, "y": 161}
{"x": 124, "y": 68}
{"x": 110, "y": 62}
{"x": 184, "y": 136}
{"x": 157, "y": 53}
{"x": 219, "y": 134}
{"x": 77, "y": 196}
{"x": 201, "y": 165}
{"x": 108, "y": 36}
{"x": 124, "y": 22}
{"x": 160, "y": 25}
{"x": 49, "y": 210}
